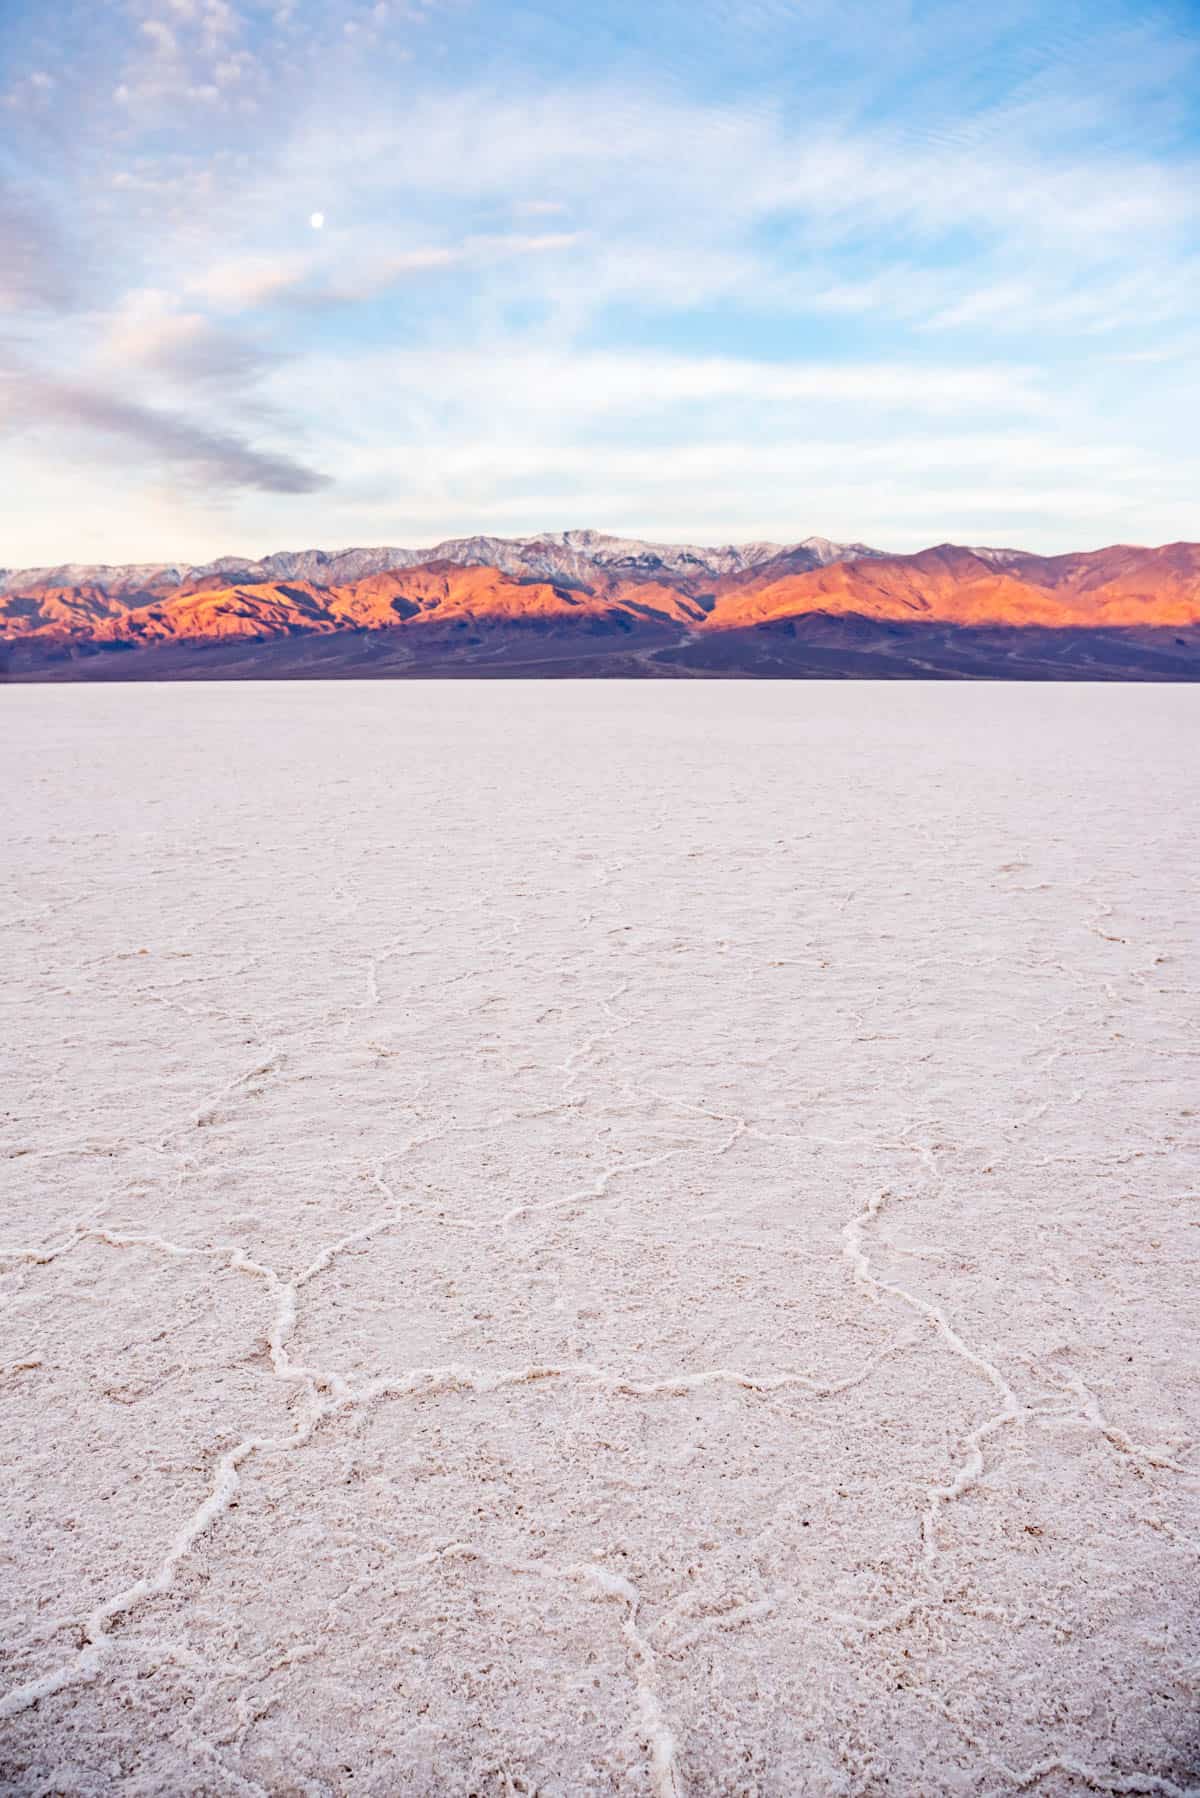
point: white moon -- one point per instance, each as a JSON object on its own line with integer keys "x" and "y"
{"x": 316, "y": 220}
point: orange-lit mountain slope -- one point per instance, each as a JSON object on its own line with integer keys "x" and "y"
{"x": 439, "y": 594}
{"x": 948, "y": 585}
{"x": 445, "y": 607}
{"x": 443, "y": 593}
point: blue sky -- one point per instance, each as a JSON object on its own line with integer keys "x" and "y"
{"x": 723, "y": 270}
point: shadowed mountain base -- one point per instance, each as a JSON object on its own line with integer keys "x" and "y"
{"x": 813, "y": 647}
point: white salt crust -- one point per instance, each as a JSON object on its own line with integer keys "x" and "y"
{"x": 600, "y": 1238}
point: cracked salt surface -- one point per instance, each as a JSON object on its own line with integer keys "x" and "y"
{"x": 596, "y": 1238}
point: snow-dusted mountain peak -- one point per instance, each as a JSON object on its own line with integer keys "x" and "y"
{"x": 576, "y": 555}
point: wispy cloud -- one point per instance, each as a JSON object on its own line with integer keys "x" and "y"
{"x": 35, "y": 268}
{"x": 577, "y": 385}
{"x": 147, "y": 333}
{"x": 184, "y": 51}
{"x": 248, "y": 282}
{"x": 35, "y": 403}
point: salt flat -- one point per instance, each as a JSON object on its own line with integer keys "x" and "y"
{"x": 600, "y": 1238}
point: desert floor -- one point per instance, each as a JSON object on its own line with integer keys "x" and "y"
{"x": 592, "y": 1238}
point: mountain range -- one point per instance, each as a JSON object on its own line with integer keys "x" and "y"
{"x": 580, "y": 602}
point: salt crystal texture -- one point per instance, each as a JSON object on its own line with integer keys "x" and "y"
{"x": 600, "y": 1238}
